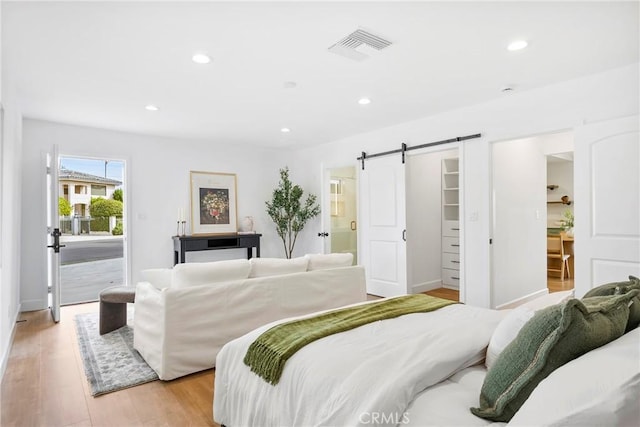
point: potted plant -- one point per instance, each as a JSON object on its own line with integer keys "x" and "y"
{"x": 567, "y": 222}
{"x": 288, "y": 212}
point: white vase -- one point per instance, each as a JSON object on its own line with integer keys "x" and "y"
{"x": 246, "y": 224}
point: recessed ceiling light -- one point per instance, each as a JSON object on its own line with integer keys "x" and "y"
{"x": 364, "y": 101}
{"x": 151, "y": 107}
{"x": 200, "y": 58}
{"x": 289, "y": 85}
{"x": 285, "y": 130}
{"x": 517, "y": 45}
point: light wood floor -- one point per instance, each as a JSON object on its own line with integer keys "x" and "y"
{"x": 45, "y": 384}
{"x": 554, "y": 284}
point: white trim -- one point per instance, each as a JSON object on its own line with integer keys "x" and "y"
{"x": 7, "y": 353}
{"x": 426, "y": 286}
{"x": 518, "y": 301}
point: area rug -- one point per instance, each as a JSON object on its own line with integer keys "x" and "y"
{"x": 110, "y": 361}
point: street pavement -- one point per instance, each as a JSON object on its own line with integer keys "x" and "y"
{"x": 90, "y": 264}
{"x": 82, "y": 282}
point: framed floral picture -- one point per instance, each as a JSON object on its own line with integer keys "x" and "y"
{"x": 213, "y": 203}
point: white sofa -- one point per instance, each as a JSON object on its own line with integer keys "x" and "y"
{"x": 183, "y": 316}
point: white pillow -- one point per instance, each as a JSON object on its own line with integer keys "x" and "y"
{"x": 263, "y": 267}
{"x": 326, "y": 261}
{"x": 509, "y": 327}
{"x": 203, "y": 273}
{"x": 158, "y": 277}
{"x": 506, "y": 331}
{"x": 600, "y": 388}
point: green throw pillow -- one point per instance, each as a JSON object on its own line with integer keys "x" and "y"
{"x": 634, "y": 308}
{"x": 554, "y": 336}
{"x": 609, "y": 288}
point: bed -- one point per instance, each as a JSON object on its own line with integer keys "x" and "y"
{"x": 419, "y": 369}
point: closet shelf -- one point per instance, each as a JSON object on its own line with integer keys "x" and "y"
{"x": 450, "y": 189}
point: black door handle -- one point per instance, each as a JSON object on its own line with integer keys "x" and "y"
{"x": 323, "y": 234}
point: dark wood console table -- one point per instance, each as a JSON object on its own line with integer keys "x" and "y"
{"x": 184, "y": 244}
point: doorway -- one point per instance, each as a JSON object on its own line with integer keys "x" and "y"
{"x": 340, "y": 211}
{"x": 519, "y": 216}
{"x": 433, "y": 223}
{"x": 92, "y": 222}
{"x": 560, "y": 219}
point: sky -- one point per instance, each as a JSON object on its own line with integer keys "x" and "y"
{"x": 115, "y": 168}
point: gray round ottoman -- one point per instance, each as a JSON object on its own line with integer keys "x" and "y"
{"x": 113, "y": 307}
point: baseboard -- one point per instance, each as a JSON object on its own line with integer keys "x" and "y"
{"x": 7, "y": 351}
{"x": 426, "y": 286}
{"x": 34, "y": 304}
{"x": 522, "y": 300}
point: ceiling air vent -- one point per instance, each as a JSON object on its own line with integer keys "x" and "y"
{"x": 359, "y": 45}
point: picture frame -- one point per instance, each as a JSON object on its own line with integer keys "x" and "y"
{"x": 213, "y": 203}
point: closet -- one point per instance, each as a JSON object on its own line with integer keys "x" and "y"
{"x": 433, "y": 220}
{"x": 450, "y": 223}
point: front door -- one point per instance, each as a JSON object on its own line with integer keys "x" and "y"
{"x": 53, "y": 233}
{"x": 383, "y": 226}
{"x": 607, "y": 202}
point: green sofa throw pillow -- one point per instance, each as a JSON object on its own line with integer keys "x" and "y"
{"x": 553, "y": 337}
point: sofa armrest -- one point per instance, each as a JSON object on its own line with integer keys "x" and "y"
{"x": 149, "y": 321}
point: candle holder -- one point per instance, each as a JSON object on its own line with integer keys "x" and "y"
{"x": 184, "y": 227}
{"x": 178, "y": 229}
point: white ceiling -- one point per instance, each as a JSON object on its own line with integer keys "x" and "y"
{"x": 99, "y": 64}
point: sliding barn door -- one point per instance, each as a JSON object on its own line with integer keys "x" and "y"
{"x": 383, "y": 221}
{"x": 607, "y": 202}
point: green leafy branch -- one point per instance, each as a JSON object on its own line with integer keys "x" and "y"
{"x": 288, "y": 212}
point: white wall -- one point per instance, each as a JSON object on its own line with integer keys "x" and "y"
{"x": 11, "y": 220}
{"x": 157, "y": 179}
{"x": 519, "y": 252}
{"x": 424, "y": 219}
{"x": 10, "y": 155}
{"x": 549, "y": 109}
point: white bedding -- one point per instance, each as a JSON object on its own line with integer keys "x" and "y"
{"x": 348, "y": 378}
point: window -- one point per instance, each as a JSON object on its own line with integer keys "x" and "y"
{"x": 99, "y": 190}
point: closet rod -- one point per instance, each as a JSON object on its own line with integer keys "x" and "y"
{"x": 404, "y": 148}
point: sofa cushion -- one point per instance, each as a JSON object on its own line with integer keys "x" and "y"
{"x": 203, "y": 273}
{"x": 158, "y": 277}
{"x": 508, "y": 328}
{"x": 326, "y": 261}
{"x": 554, "y": 336}
{"x": 263, "y": 267}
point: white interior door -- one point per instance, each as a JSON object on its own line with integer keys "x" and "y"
{"x": 383, "y": 222}
{"x": 53, "y": 232}
{"x": 607, "y": 202}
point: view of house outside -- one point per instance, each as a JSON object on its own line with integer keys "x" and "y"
{"x": 91, "y": 206}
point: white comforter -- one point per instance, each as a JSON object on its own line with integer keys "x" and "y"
{"x": 351, "y": 378}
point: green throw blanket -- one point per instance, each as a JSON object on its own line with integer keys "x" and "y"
{"x": 269, "y": 352}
